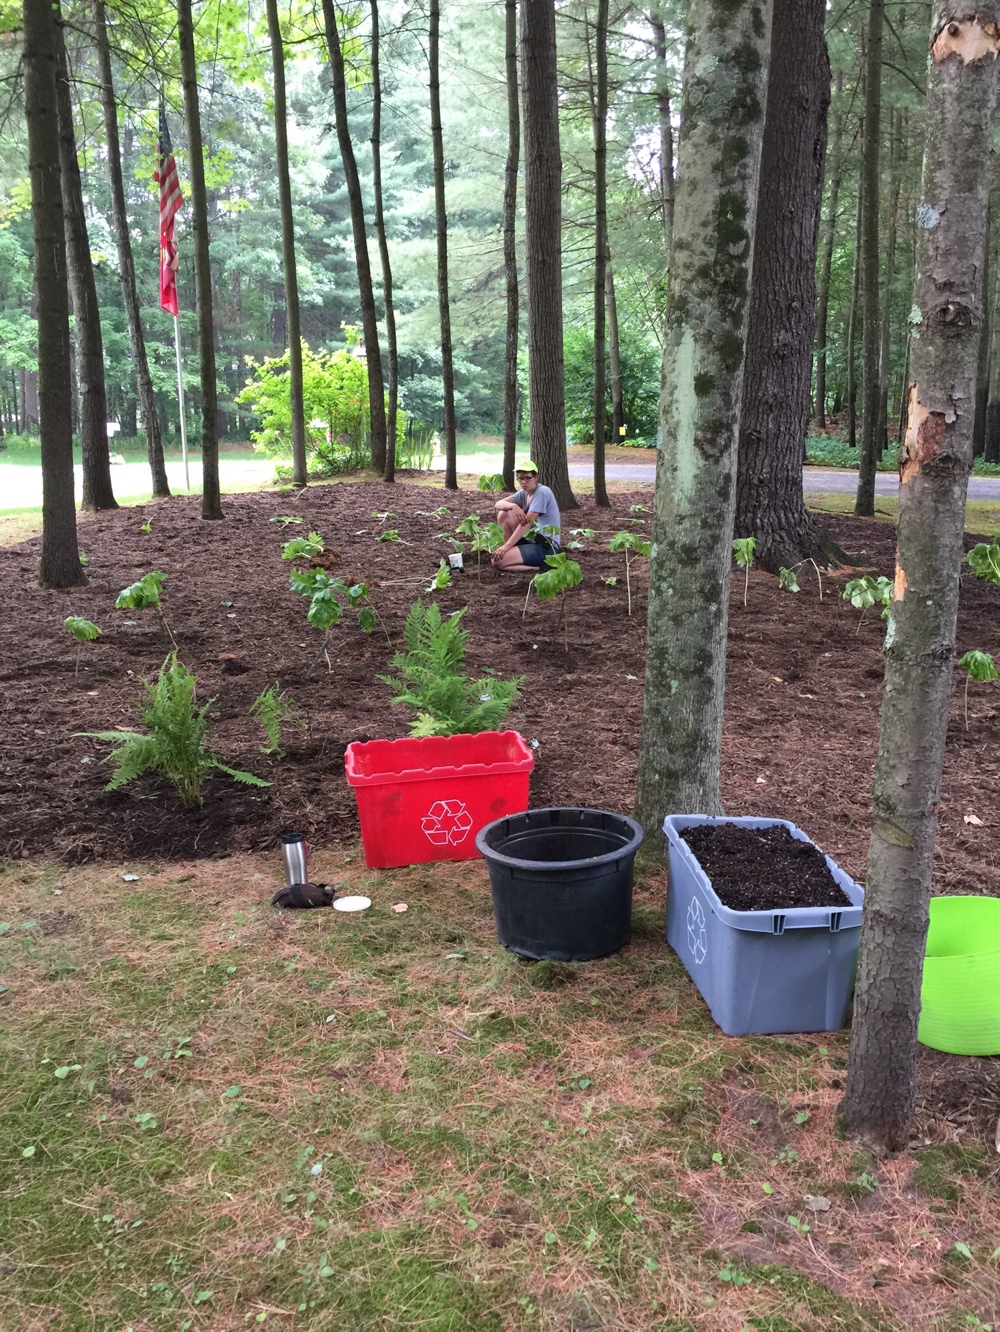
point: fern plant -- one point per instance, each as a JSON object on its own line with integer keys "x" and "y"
{"x": 175, "y": 746}
{"x": 277, "y": 712}
{"x": 431, "y": 680}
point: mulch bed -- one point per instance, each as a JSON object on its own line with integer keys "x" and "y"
{"x": 801, "y": 708}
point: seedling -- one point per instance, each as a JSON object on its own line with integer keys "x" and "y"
{"x": 432, "y": 513}
{"x": 468, "y": 526}
{"x": 985, "y": 561}
{"x": 579, "y": 535}
{"x": 390, "y": 534}
{"x": 561, "y": 575}
{"x": 326, "y": 603}
{"x": 383, "y": 518}
{"x": 978, "y": 666}
{"x": 147, "y": 526}
{"x": 441, "y": 579}
{"x": 430, "y": 678}
{"x": 788, "y": 578}
{"x": 84, "y": 631}
{"x": 146, "y": 592}
{"x": 276, "y": 711}
{"x": 175, "y": 747}
{"x": 867, "y": 591}
{"x": 491, "y": 484}
{"x": 638, "y": 508}
{"x": 489, "y": 539}
{"x": 285, "y": 518}
{"x": 301, "y": 547}
{"x": 743, "y": 549}
{"x": 632, "y": 546}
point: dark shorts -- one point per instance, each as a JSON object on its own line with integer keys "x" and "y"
{"x": 533, "y": 552}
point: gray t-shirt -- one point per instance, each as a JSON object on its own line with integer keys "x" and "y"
{"x": 543, "y": 504}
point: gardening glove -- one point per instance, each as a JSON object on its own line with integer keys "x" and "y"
{"x": 304, "y": 895}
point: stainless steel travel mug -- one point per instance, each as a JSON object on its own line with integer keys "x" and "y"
{"x": 296, "y": 853}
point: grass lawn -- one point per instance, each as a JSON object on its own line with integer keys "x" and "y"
{"x": 982, "y": 517}
{"x": 215, "y": 1115}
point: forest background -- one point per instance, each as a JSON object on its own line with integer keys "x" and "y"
{"x": 645, "y": 53}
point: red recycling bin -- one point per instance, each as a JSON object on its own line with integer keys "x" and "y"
{"x": 425, "y": 799}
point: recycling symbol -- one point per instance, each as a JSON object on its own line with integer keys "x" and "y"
{"x": 697, "y": 937}
{"x": 447, "y": 821}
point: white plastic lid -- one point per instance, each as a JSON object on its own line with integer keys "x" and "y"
{"x": 352, "y": 904}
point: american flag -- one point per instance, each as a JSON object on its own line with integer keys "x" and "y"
{"x": 170, "y": 200}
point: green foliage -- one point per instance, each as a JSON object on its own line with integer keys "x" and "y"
{"x": 300, "y": 547}
{"x": 175, "y": 747}
{"x": 743, "y": 549}
{"x": 146, "y": 592}
{"x": 430, "y": 678}
{"x": 985, "y": 561}
{"x": 788, "y": 580}
{"x": 388, "y": 534}
{"x": 632, "y": 546}
{"x": 84, "y": 631}
{"x": 441, "y": 579}
{"x": 979, "y": 666}
{"x": 335, "y": 391}
{"x": 277, "y": 712}
{"x": 640, "y": 361}
{"x": 490, "y": 484}
{"x": 827, "y": 451}
{"x": 562, "y": 574}
{"x": 866, "y": 591}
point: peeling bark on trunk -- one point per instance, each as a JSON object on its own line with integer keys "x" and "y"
{"x": 211, "y": 501}
{"x": 871, "y": 429}
{"x": 836, "y": 161}
{"x": 60, "y": 561}
{"x": 600, "y": 119}
{"x": 775, "y": 409}
{"x": 722, "y": 123}
{"x": 920, "y": 644}
{"x": 392, "y": 350}
{"x": 441, "y": 228}
{"x": 292, "y": 330}
{"x": 543, "y": 247}
{"x": 126, "y": 264}
{"x": 91, "y": 392}
{"x": 510, "y": 412}
{"x": 366, "y": 294}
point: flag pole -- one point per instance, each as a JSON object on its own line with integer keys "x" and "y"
{"x": 180, "y": 403}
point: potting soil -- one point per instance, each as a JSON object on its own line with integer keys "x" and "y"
{"x": 763, "y": 869}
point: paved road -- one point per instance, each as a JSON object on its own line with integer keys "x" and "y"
{"x": 818, "y": 480}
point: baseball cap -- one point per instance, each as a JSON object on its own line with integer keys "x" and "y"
{"x": 526, "y": 465}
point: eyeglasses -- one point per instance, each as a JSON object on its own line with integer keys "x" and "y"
{"x": 523, "y": 476}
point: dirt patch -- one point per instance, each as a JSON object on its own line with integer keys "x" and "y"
{"x": 763, "y": 869}
{"x": 801, "y": 709}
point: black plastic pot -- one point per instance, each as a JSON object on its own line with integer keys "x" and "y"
{"x": 561, "y": 881}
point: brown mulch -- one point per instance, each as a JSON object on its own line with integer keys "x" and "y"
{"x": 801, "y": 709}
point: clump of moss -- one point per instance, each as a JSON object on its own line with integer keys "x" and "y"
{"x": 939, "y": 1167}
{"x": 549, "y": 975}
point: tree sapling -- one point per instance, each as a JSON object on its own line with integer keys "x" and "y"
{"x": 978, "y": 666}
{"x": 84, "y": 631}
{"x": 561, "y": 575}
{"x": 632, "y": 546}
{"x": 743, "y": 549}
{"x": 985, "y": 561}
{"x": 146, "y": 592}
{"x": 866, "y": 591}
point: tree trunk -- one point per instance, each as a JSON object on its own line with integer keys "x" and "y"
{"x": 60, "y": 562}
{"x": 441, "y": 227}
{"x": 983, "y": 368}
{"x": 543, "y": 247}
{"x": 666, "y": 136}
{"x": 722, "y": 122}
{"x": 126, "y": 264}
{"x": 510, "y": 247}
{"x": 934, "y": 464}
{"x": 92, "y": 394}
{"x": 366, "y": 293}
{"x": 389, "y": 473}
{"x": 836, "y": 161}
{"x": 614, "y": 360}
{"x": 211, "y": 502}
{"x": 299, "y": 469}
{"x": 775, "y": 409}
{"x": 897, "y": 139}
{"x": 991, "y": 442}
{"x": 871, "y": 430}
{"x": 600, "y": 122}
{"x": 852, "y": 333}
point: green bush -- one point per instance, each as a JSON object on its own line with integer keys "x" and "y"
{"x": 431, "y": 680}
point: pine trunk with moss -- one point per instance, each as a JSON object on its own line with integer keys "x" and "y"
{"x": 722, "y": 123}
{"x": 934, "y": 463}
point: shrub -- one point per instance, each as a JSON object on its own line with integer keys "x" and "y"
{"x": 430, "y": 678}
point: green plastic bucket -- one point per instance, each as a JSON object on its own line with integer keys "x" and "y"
{"x": 960, "y": 994}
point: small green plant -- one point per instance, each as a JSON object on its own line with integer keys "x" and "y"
{"x": 733, "y": 1275}
{"x": 638, "y": 508}
{"x": 441, "y": 579}
{"x": 277, "y": 712}
{"x": 788, "y": 580}
{"x": 743, "y": 549}
{"x": 802, "y": 1227}
{"x": 389, "y": 534}
{"x": 175, "y": 746}
{"x": 430, "y": 678}
{"x": 84, "y": 559}
{"x": 985, "y": 561}
{"x": 561, "y": 575}
{"x": 977, "y": 666}
{"x": 468, "y": 527}
{"x": 146, "y": 592}
{"x": 865, "y": 592}
{"x": 383, "y": 518}
{"x": 302, "y": 547}
{"x": 285, "y": 519}
{"x": 328, "y": 598}
{"x": 632, "y": 546}
{"x": 147, "y": 526}
{"x": 84, "y": 631}
{"x": 579, "y": 535}
{"x": 490, "y": 484}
